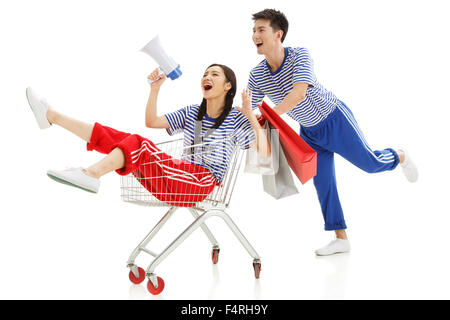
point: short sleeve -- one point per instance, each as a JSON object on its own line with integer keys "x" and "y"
{"x": 243, "y": 131}
{"x": 257, "y": 94}
{"x": 177, "y": 121}
{"x": 303, "y": 67}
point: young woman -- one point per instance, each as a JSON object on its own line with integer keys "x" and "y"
{"x": 187, "y": 181}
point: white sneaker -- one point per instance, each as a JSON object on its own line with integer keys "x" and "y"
{"x": 39, "y": 107}
{"x": 75, "y": 177}
{"x": 335, "y": 246}
{"x": 409, "y": 168}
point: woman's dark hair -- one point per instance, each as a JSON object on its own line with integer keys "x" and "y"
{"x": 278, "y": 20}
{"x": 231, "y": 77}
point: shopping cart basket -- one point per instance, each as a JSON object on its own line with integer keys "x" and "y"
{"x": 135, "y": 189}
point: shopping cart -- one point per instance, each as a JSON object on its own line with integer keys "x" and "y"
{"x": 135, "y": 189}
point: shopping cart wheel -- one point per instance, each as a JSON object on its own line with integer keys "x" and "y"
{"x": 137, "y": 280}
{"x": 257, "y": 268}
{"x": 151, "y": 288}
{"x": 215, "y": 255}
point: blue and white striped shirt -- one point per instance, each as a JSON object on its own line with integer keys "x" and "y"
{"x": 217, "y": 148}
{"x": 297, "y": 67}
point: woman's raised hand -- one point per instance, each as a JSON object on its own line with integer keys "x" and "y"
{"x": 156, "y": 78}
{"x": 246, "y": 108}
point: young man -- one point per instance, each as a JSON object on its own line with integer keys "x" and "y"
{"x": 286, "y": 76}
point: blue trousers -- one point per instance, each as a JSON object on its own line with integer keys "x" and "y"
{"x": 339, "y": 133}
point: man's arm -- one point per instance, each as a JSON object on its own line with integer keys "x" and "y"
{"x": 293, "y": 98}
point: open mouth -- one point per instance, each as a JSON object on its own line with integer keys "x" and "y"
{"x": 258, "y": 45}
{"x": 207, "y": 87}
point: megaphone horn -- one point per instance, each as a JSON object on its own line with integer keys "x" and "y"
{"x": 166, "y": 64}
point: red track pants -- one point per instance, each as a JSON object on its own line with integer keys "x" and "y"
{"x": 170, "y": 180}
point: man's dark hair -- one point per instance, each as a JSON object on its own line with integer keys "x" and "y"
{"x": 278, "y": 20}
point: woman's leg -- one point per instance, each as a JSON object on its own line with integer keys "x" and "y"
{"x": 113, "y": 161}
{"x": 45, "y": 116}
{"x": 89, "y": 179}
{"x": 77, "y": 127}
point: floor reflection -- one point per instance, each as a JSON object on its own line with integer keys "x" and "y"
{"x": 215, "y": 281}
{"x": 335, "y": 283}
{"x": 140, "y": 292}
{"x": 257, "y": 289}
{"x": 137, "y": 292}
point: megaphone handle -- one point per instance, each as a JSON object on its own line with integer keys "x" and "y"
{"x": 151, "y": 81}
{"x": 159, "y": 77}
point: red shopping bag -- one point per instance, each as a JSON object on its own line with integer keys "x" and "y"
{"x": 300, "y": 156}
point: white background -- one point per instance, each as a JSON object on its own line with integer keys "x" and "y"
{"x": 387, "y": 60}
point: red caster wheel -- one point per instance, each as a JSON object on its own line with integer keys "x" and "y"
{"x": 151, "y": 288}
{"x": 257, "y": 268}
{"x": 138, "y": 279}
{"x": 215, "y": 255}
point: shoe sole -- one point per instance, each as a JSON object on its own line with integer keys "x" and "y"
{"x": 57, "y": 179}
{"x": 330, "y": 254}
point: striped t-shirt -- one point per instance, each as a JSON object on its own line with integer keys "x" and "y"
{"x": 297, "y": 67}
{"x": 217, "y": 147}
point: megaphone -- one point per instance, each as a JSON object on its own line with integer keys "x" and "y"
{"x": 166, "y": 64}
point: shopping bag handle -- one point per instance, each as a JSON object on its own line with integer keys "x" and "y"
{"x": 261, "y": 120}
